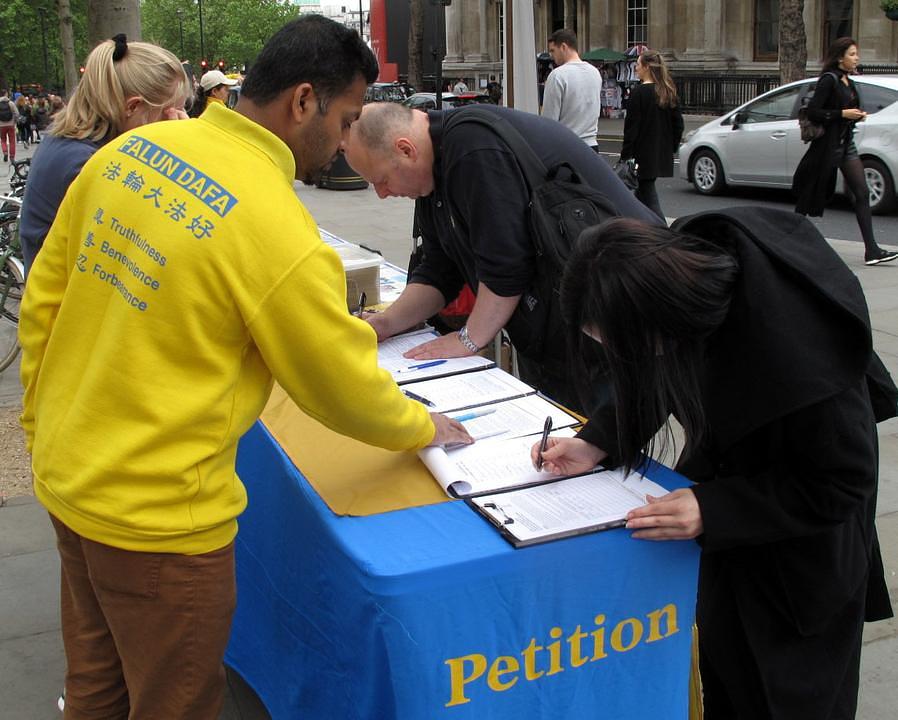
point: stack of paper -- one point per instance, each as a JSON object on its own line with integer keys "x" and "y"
{"x": 496, "y": 475}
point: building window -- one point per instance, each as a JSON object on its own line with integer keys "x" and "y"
{"x": 767, "y": 29}
{"x": 637, "y": 22}
{"x": 837, "y": 20}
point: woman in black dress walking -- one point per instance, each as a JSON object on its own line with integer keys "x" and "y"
{"x": 653, "y": 127}
{"x": 836, "y": 106}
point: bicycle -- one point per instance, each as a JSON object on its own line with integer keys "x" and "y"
{"x": 18, "y": 176}
{"x": 12, "y": 282}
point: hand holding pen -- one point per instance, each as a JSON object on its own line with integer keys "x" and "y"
{"x": 566, "y": 456}
{"x": 544, "y": 442}
{"x": 363, "y": 299}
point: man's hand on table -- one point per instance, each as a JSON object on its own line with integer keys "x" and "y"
{"x": 447, "y": 346}
{"x": 449, "y": 431}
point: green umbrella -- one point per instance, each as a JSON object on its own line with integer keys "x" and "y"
{"x": 604, "y": 54}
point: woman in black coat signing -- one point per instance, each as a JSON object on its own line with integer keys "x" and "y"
{"x": 836, "y": 106}
{"x": 653, "y": 127}
{"x": 748, "y": 328}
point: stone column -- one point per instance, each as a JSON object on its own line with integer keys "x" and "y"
{"x": 483, "y": 52}
{"x": 570, "y": 14}
{"x": 705, "y": 20}
{"x": 454, "y": 17}
{"x": 660, "y": 23}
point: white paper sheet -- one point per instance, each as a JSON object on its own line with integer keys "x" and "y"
{"x": 469, "y": 389}
{"x": 568, "y": 506}
{"x": 523, "y": 416}
{"x": 485, "y": 466}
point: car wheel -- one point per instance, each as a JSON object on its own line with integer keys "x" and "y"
{"x": 882, "y": 188}
{"x": 707, "y": 173}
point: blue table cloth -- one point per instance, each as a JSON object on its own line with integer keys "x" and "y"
{"x": 426, "y": 613}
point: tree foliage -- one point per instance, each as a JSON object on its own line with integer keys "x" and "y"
{"x": 21, "y": 41}
{"x": 233, "y": 30}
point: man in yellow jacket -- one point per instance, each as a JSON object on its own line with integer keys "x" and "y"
{"x": 180, "y": 275}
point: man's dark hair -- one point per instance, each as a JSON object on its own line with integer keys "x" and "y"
{"x": 312, "y": 49}
{"x": 568, "y": 37}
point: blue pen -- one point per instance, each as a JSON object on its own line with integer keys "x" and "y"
{"x": 473, "y": 414}
{"x": 419, "y": 398}
{"x": 432, "y": 363}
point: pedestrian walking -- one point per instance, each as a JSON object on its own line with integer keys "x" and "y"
{"x": 836, "y": 106}
{"x": 653, "y": 127}
{"x": 573, "y": 92}
{"x": 9, "y": 116}
{"x": 23, "y": 120}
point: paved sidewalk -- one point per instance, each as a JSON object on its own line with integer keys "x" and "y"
{"x": 31, "y": 659}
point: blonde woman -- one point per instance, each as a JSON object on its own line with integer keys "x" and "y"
{"x": 653, "y": 127}
{"x": 125, "y": 85}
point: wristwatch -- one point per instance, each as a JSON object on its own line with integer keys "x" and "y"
{"x": 465, "y": 340}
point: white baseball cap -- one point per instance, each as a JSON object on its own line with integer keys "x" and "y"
{"x": 214, "y": 78}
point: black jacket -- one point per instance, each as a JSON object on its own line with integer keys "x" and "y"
{"x": 475, "y": 223}
{"x": 787, "y": 478}
{"x": 651, "y": 133}
{"x": 814, "y": 181}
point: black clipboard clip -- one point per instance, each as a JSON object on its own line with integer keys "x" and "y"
{"x": 498, "y": 509}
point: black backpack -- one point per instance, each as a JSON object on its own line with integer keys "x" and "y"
{"x": 5, "y": 111}
{"x": 561, "y": 207}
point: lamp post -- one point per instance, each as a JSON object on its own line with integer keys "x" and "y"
{"x": 202, "y": 38}
{"x": 43, "y": 13}
{"x": 180, "y": 14}
{"x": 439, "y": 22}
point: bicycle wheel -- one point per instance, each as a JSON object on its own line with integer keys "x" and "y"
{"x": 12, "y": 285}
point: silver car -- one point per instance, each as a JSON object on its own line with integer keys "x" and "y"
{"x": 758, "y": 144}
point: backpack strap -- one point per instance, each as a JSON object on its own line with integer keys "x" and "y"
{"x": 532, "y": 167}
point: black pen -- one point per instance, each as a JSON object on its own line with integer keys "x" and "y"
{"x": 363, "y": 298}
{"x": 419, "y": 398}
{"x": 544, "y": 443}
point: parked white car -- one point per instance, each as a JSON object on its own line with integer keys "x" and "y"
{"x": 758, "y": 143}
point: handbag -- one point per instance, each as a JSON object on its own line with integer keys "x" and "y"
{"x": 810, "y": 130}
{"x": 626, "y": 170}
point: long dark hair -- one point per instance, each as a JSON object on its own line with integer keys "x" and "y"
{"x": 665, "y": 88}
{"x": 835, "y": 53}
{"x": 653, "y": 296}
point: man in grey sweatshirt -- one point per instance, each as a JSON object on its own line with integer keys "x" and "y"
{"x": 573, "y": 89}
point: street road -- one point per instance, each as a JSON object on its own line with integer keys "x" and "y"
{"x": 678, "y": 197}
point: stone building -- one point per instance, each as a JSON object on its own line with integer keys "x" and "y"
{"x": 739, "y": 36}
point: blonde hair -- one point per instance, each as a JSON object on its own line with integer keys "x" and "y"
{"x": 96, "y": 108}
{"x": 665, "y": 89}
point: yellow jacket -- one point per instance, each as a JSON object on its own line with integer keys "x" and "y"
{"x": 181, "y": 273}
